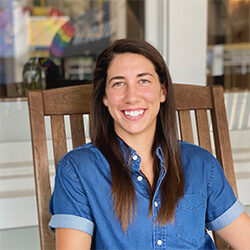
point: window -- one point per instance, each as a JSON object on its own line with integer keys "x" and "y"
{"x": 48, "y": 44}
{"x": 228, "y": 60}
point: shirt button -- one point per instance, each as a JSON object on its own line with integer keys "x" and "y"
{"x": 156, "y": 204}
{"x": 159, "y": 242}
{"x": 139, "y": 178}
{"x": 135, "y": 157}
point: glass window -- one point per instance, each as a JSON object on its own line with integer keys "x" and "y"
{"x": 48, "y": 44}
{"x": 228, "y": 60}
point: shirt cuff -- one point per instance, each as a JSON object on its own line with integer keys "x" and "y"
{"x": 227, "y": 217}
{"x": 71, "y": 221}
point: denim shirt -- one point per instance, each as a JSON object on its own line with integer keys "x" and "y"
{"x": 82, "y": 200}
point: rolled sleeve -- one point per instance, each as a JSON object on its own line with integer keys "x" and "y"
{"x": 69, "y": 204}
{"x": 71, "y": 221}
{"x": 226, "y": 218}
{"x": 222, "y": 205}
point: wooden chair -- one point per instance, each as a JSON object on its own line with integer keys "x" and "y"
{"x": 75, "y": 101}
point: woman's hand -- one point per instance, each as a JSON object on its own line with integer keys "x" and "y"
{"x": 71, "y": 239}
{"x": 237, "y": 233}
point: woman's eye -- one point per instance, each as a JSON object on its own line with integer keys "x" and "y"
{"x": 118, "y": 84}
{"x": 144, "y": 81}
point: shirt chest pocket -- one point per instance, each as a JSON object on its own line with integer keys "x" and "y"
{"x": 190, "y": 218}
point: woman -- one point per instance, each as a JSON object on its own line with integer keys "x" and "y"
{"x": 136, "y": 186}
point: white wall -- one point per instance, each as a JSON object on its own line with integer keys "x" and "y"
{"x": 156, "y": 24}
{"x": 187, "y": 40}
{"x": 181, "y": 38}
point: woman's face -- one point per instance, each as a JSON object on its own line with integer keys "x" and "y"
{"x": 133, "y": 95}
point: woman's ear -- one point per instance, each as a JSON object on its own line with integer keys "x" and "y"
{"x": 105, "y": 100}
{"x": 163, "y": 93}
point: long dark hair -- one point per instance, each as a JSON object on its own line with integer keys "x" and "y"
{"x": 102, "y": 134}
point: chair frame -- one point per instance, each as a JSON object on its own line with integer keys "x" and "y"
{"x": 75, "y": 101}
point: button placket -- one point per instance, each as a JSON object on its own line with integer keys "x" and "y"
{"x": 160, "y": 237}
{"x": 140, "y": 178}
{"x": 135, "y": 157}
{"x": 159, "y": 242}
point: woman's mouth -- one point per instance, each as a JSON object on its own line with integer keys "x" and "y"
{"x": 134, "y": 114}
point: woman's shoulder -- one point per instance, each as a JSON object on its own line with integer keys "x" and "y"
{"x": 82, "y": 162}
{"x": 189, "y": 150}
{"x": 198, "y": 166}
{"x": 87, "y": 148}
{"x": 196, "y": 159}
{"x": 85, "y": 154}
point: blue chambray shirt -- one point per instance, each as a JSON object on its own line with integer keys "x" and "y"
{"x": 82, "y": 200}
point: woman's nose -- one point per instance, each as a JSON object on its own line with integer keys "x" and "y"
{"x": 131, "y": 94}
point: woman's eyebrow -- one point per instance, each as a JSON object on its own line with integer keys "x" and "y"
{"x": 145, "y": 74}
{"x": 122, "y": 77}
{"x": 116, "y": 78}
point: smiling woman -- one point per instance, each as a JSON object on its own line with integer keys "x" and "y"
{"x": 136, "y": 186}
{"x": 133, "y": 96}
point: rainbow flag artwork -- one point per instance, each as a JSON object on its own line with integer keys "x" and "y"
{"x": 61, "y": 39}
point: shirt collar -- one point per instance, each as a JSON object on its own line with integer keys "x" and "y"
{"x": 128, "y": 154}
{"x": 159, "y": 153}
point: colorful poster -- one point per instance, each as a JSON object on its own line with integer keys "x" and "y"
{"x": 41, "y": 30}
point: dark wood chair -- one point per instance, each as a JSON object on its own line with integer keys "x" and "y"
{"x": 75, "y": 101}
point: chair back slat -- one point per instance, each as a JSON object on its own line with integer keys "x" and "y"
{"x": 221, "y": 136}
{"x": 77, "y": 130}
{"x": 186, "y": 126}
{"x": 190, "y": 97}
{"x": 58, "y": 137}
{"x": 41, "y": 167}
{"x": 56, "y": 101}
{"x": 203, "y": 129}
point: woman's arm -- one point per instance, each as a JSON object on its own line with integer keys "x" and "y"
{"x": 71, "y": 239}
{"x": 237, "y": 233}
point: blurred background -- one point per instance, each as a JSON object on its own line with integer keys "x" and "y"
{"x": 46, "y": 44}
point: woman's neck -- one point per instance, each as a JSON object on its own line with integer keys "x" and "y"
{"x": 141, "y": 144}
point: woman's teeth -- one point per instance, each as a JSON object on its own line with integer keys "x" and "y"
{"x": 134, "y": 113}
